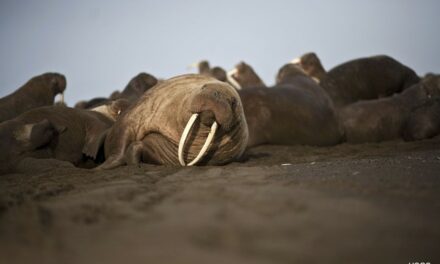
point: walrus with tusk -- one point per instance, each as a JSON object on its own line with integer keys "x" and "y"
{"x": 244, "y": 76}
{"x": 366, "y": 78}
{"x": 186, "y": 120}
{"x": 38, "y": 91}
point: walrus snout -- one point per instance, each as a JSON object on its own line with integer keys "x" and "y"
{"x": 213, "y": 105}
{"x": 59, "y": 83}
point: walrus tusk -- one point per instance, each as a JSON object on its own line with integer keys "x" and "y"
{"x": 232, "y": 80}
{"x": 296, "y": 61}
{"x": 62, "y": 97}
{"x": 192, "y": 66}
{"x": 185, "y": 135}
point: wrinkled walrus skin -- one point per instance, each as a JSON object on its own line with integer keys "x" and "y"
{"x": 38, "y": 91}
{"x": 150, "y": 130}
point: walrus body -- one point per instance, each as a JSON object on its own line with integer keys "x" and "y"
{"x": 38, "y": 91}
{"x": 383, "y": 119}
{"x": 150, "y": 130}
{"x": 360, "y": 79}
{"x": 296, "y": 111}
{"x": 64, "y": 133}
{"x": 423, "y": 122}
{"x": 368, "y": 78}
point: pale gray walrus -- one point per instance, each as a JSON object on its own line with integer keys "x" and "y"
{"x": 38, "y": 91}
{"x": 360, "y": 79}
{"x": 244, "y": 76}
{"x": 68, "y": 134}
{"x": 383, "y": 119}
{"x": 132, "y": 91}
{"x": 155, "y": 129}
{"x": 295, "y": 111}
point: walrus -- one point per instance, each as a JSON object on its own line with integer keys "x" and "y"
{"x": 296, "y": 111}
{"x": 216, "y": 72}
{"x": 94, "y": 102}
{"x": 383, "y": 119}
{"x": 311, "y": 65}
{"x": 19, "y": 138}
{"x": 132, "y": 91}
{"x": 156, "y": 128}
{"x": 63, "y": 133}
{"x": 423, "y": 122}
{"x": 243, "y": 76}
{"x": 360, "y": 79}
{"x": 38, "y": 91}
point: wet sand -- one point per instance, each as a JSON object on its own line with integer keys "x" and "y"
{"x": 369, "y": 203}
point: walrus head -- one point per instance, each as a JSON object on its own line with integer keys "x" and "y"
{"x": 431, "y": 85}
{"x": 19, "y": 138}
{"x": 219, "y": 107}
{"x": 311, "y": 65}
{"x": 47, "y": 86}
{"x": 213, "y": 105}
{"x": 288, "y": 72}
{"x": 202, "y": 66}
{"x": 138, "y": 85}
{"x": 57, "y": 83}
{"x": 245, "y": 76}
{"x": 113, "y": 109}
{"x": 219, "y": 74}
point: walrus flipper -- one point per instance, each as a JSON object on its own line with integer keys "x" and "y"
{"x": 133, "y": 155}
{"x": 111, "y": 163}
{"x": 94, "y": 141}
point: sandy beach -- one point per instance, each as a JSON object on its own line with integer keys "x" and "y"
{"x": 369, "y": 203}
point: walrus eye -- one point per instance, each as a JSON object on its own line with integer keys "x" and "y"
{"x": 233, "y": 103}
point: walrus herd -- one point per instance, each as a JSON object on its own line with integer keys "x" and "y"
{"x": 212, "y": 117}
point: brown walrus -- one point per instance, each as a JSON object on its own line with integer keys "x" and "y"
{"x": 150, "y": 131}
{"x": 295, "y": 111}
{"x": 423, "y": 122}
{"x": 58, "y": 132}
{"x": 132, "y": 91}
{"x": 360, "y": 79}
{"x": 383, "y": 119}
{"x": 216, "y": 72}
{"x": 38, "y": 91}
{"x": 311, "y": 65}
{"x": 244, "y": 76}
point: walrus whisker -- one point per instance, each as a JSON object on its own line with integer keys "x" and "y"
{"x": 232, "y": 80}
{"x": 185, "y": 136}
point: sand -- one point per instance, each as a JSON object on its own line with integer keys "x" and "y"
{"x": 369, "y": 203}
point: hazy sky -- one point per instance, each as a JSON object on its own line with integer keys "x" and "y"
{"x": 100, "y": 45}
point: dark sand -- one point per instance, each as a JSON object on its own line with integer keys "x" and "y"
{"x": 371, "y": 203}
